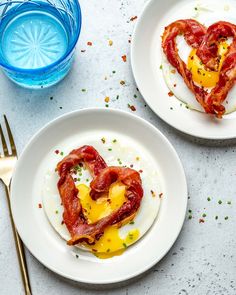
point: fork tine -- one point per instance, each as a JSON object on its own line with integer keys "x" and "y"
{"x": 13, "y": 147}
{"x": 4, "y": 145}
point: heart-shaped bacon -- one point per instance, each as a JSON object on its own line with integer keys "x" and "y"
{"x": 206, "y": 42}
{"x": 104, "y": 176}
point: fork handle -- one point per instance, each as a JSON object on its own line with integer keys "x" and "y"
{"x": 20, "y": 249}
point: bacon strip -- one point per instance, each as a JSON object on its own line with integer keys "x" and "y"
{"x": 206, "y": 41}
{"x": 193, "y": 33}
{"x": 104, "y": 176}
{"x": 208, "y": 53}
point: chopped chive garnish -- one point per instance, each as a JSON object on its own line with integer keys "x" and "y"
{"x": 119, "y": 161}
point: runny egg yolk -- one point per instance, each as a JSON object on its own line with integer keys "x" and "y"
{"x": 200, "y": 75}
{"x": 95, "y": 210}
{"x": 110, "y": 244}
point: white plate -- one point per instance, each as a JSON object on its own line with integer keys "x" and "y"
{"x": 48, "y": 247}
{"x": 146, "y": 58}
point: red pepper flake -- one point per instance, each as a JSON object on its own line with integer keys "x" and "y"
{"x": 62, "y": 222}
{"x": 160, "y": 195}
{"x": 57, "y": 152}
{"x": 133, "y": 18}
{"x": 132, "y": 107}
{"x": 201, "y": 220}
{"x": 174, "y": 85}
{"x": 170, "y": 93}
{"x": 89, "y": 43}
{"x": 39, "y": 205}
{"x": 94, "y": 250}
{"x": 140, "y": 171}
{"x": 124, "y": 58}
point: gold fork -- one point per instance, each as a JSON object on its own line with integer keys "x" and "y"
{"x": 7, "y": 164}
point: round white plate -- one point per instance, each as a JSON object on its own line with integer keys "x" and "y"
{"x": 43, "y": 241}
{"x": 146, "y": 59}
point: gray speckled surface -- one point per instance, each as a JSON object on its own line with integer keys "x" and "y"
{"x": 203, "y": 260}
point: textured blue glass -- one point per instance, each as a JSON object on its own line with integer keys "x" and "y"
{"x": 37, "y": 40}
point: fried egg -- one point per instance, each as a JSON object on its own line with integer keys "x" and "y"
{"x": 206, "y": 13}
{"x": 117, "y": 150}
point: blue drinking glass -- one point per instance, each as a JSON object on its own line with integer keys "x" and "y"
{"x": 37, "y": 40}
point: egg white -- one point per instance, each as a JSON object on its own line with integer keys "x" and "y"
{"x": 206, "y": 12}
{"x": 126, "y": 150}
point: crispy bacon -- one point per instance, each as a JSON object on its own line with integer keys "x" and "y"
{"x": 206, "y": 42}
{"x": 193, "y": 33}
{"x": 208, "y": 53}
{"x": 208, "y": 49}
{"x": 104, "y": 176}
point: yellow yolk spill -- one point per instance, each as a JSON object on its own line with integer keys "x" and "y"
{"x": 200, "y": 75}
{"x": 110, "y": 244}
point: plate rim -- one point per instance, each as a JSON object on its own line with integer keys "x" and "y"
{"x": 116, "y": 111}
{"x": 159, "y": 114}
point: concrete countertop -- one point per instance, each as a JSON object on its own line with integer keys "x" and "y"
{"x": 203, "y": 260}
